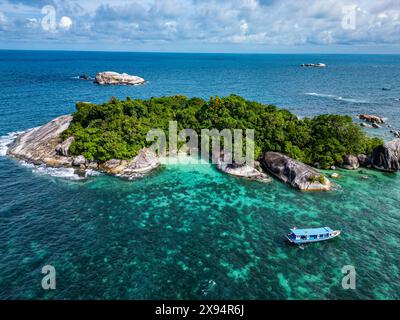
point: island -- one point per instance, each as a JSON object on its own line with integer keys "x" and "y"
{"x": 114, "y": 78}
{"x": 111, "y": 137}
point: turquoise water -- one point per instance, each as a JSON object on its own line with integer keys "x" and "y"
{"x": 191, "y": 231}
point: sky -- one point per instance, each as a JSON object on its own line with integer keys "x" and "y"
{"x": 237, "y": 26}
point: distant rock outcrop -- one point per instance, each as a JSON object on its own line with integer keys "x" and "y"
{"x": 387, "y": 156}
{"x": 295, "y": 173}
{"x": 109, "y": 77}
{"x": 371, "y": 118}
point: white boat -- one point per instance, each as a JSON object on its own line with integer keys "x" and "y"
{"x": 300, "y": 236}
{"x": 315, "y": 65}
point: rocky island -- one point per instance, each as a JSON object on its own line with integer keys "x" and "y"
{"x": 114, "y": 78}
{"x": 111, "y": 138}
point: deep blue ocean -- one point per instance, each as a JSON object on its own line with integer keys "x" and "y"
{"x": 191, "y": 232}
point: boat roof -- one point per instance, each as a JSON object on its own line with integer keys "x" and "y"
{"x": 304, "y": 232}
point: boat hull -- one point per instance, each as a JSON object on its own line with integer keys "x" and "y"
{"x": 304, "y": 241}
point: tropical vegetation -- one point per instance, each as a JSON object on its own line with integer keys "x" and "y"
{"x": 117, "y": 129}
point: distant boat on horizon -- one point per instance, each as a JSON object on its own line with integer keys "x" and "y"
{"x": 316, "y": 65}
{"x": 301, "y": 236}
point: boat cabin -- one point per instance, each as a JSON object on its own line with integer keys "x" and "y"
{"x": 311, "y": 234}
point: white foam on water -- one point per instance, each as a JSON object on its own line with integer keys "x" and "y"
{"x": 335, "y": 97}
{"x": 62, "y": 173}
{"x": 322, "y": 95}
{"x": 351, "y": 100}
{"x": 6, "y": 140}
{"x": 92, "y": 173}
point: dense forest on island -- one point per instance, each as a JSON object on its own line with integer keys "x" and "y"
{"x": 117, "y": 129}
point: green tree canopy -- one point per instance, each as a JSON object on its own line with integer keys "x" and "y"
{"x": 118, "y": 129}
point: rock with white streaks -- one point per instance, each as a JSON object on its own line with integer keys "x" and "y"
{"x": 39, "y": 145}
{"x": 110, "y": 77}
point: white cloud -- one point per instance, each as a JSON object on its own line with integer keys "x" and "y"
{"x": 171, "y": 26}
{"x": 3, "y": 19}
{"x": 65, "y": 23}
{"x": 32, "y": 23}
{"x": 261, "y": 22}
{"x": 244, "y": 27}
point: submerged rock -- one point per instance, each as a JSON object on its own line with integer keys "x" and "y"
{"x": 395, "y": 133}
{"x": 84, "y": 77}
{"x": 365, "y": 125}
{"x": 39, "y": 145}
{"x": 387, "y": 156}
{"x": 295, "y": 173}
{"x": 244, "y": 171}
{"x": 109, "y": 77}
{"x": 350, "y": 162}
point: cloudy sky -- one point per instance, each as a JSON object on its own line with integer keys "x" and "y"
{"x": 368, "y": 26}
